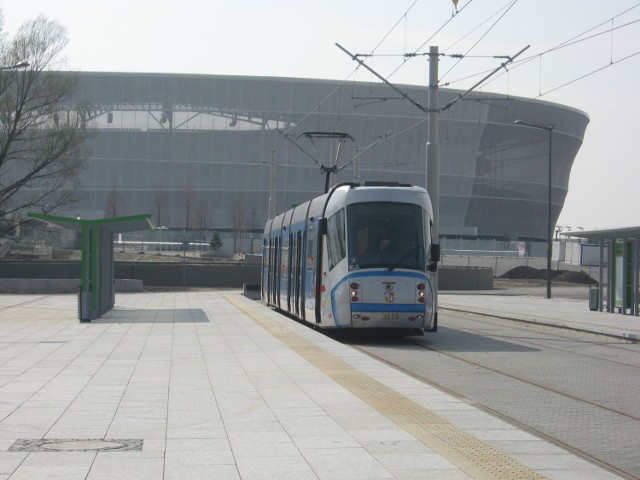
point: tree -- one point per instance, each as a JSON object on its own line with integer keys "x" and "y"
{"x": 190, "y": 203}
{"x": 238, "y": 227}
{"x": 42, "y": 130}
{"x": 161, "y": 202}
{"x": 215, "y": 242}
{"x": 113, "y": 205}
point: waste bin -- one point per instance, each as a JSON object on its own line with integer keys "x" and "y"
{"x": 594, "y": 299}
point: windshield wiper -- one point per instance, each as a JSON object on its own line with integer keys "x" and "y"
{"x": 398, "y": 263}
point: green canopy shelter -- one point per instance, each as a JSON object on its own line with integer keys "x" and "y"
{"x": 97, "y": 290}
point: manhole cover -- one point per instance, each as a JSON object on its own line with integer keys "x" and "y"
{"x": 83, "y": 445}
{"x": 75, "y": 445}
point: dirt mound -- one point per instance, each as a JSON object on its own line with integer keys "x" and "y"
{"x": 521, "y": 273}
{"x": 528, "y": 273}
{"x": 575, "y": 277}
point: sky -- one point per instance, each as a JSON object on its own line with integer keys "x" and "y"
{"x": 296, "y": 38}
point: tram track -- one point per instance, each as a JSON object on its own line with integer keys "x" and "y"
{"x": 508, "y": 376}
{"x": 529, "y": 382}
{"x": 512, "y": 421}
{"x": 617, "y": 343}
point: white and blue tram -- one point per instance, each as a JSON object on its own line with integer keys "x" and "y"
{"x": 356, "y": 257}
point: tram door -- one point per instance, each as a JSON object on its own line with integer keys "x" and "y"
{"x": 290, "y": 272}
{"x": 275, "y": 270}
{"x": 299, "y": 311}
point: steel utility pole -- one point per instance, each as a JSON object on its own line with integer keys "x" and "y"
{"x": 272, "y": 184}
{"x": 549, "y": 130}
{"x": 432, "y": 181}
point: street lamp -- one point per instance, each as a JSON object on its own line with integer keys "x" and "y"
{"x": 160, "y": 229}
{"x": 549, "y": 129}
{"x": 17, "y": 65}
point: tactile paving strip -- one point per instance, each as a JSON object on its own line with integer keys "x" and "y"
{"x": 475, "y": 457}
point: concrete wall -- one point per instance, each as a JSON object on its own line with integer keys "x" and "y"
{"x": 465, "y": 278}
{"x": 48, "y": 275}
{"x": 40, "y": 270}
{"x": 58, "y": 285}
{"x": 186, "y": 275}
{"x": 150, "y": 274}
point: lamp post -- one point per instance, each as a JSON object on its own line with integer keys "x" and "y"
{"x": 17, "y": 65}
{"x": 160, "y": 229}
{"x": 549, "y": 129}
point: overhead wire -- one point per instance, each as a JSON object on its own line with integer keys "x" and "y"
{"x": 513, "y": 2}
{"x": 429, "y": 39}
{"x": 572, "y": 42}
{"x": 507, "y": 6}
{"x": 524, "y": 61}
{"x": 576, "y": 39}
{"x": 446, "y": 49}
{"x": 350, "y": 75}
{"x": 589, "y": 74}
{"x": 569, "y": 42}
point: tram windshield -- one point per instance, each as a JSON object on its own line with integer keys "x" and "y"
{"x": 385, "y": 235}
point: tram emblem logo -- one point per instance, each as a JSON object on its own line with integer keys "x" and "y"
{"x": 389, "y": 297}
{"x": 388, "y": 287}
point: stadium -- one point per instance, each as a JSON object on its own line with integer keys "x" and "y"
{"x": 201, "y": 152}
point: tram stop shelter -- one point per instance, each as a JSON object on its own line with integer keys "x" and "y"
{"x": 96, "y": 294}
{"x": 623, "y": 258}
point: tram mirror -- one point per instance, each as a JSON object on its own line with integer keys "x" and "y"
{"x": 322, "y": 226}
{"x": 435, "y": 257}
{"x": 435, "y": 252}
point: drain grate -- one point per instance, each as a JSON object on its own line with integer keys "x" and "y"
{"x": 470, "y": 454}
{"x": 76, "y": 445}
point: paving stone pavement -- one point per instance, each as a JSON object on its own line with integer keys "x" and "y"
{"x": 209, "y": 384}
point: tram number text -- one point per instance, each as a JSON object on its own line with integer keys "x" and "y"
{"x": 391, "y": 316}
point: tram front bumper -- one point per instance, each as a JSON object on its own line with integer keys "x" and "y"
{"x": 384, "y": 316}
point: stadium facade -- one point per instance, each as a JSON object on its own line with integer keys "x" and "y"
{"x": 195, "y": 150}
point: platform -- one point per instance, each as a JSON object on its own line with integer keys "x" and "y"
{"x": 532, "y": 306}
{"x": 210, "y": 384}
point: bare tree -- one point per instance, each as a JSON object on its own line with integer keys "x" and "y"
{"x": 41, "y": 130}
{"x": 113, "y": 205}
{"x": 201, "y": 217}
{"x": 190, "y": 203}
{"x": 238, "y": 226}
{"x": 161, "y": 202}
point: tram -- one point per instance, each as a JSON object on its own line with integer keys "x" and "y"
{"x": 355, "y": 257}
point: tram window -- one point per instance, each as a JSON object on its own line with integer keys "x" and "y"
{"x": 336, "y": 238}
{"x": 383, "y": 234}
